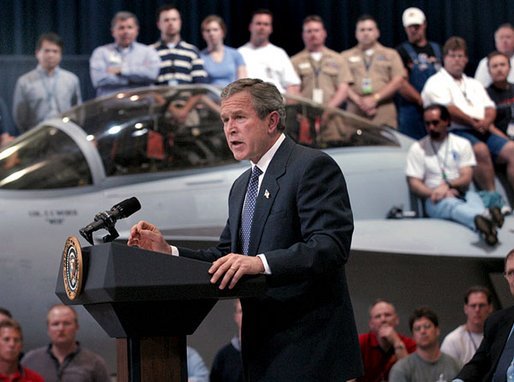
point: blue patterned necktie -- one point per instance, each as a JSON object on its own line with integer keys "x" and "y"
{"x": 249, "y": 209}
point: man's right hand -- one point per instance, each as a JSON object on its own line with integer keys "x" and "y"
{"x": 146, "y": 236}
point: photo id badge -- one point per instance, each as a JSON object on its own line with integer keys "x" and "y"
{"x": 366, "y": 86}
{"x": 317, "y": 95}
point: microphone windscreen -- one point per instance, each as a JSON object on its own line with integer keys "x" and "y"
{"x": 128, "y": 207}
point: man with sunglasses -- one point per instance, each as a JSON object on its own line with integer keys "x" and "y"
{"x": 440, "y": 169}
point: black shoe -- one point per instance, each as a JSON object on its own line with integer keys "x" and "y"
{"x": 486, "y": 229}
{"x": 497, "y": 216}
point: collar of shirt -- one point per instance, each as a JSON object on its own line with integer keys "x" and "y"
{"x": 454, "y": 80}
{"x": 124, "y": 50}
{"x": 266, "y": 158}
{"x": 43, "y": 72}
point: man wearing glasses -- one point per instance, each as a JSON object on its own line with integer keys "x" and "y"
{"x": 427, "y": 363}
{"x": 463, "y": 342}
{"x": 495, "y": 354}
{"x": 439, "y": 170}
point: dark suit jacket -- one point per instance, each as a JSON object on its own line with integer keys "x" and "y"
{"x": 496, "y": 332}
{"x": 304, "y": 328}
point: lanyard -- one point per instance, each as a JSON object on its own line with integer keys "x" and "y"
{"x": 50, "y": 88}
{"x": 436, "y": 152}
{"x": 316, "y": 69}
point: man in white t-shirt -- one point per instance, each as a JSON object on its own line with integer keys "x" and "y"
{"x": 463, "y": 342}
{"x": 440, "y": 169}
{"x": 266, "y": 61}
{"x": 472, "y": 113}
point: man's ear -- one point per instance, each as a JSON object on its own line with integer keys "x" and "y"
{"x": 273, "y": 121}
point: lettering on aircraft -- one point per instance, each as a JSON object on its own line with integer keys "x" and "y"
{"x": 56, "y": 217}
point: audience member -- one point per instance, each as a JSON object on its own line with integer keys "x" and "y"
{"x": 472, "y": 114}
{"x": 463, "y": 342}
{"x": 496, "y": 351}
{"x": 266, "y": 61}
{"x": 46, "y": 91}
{"x": 223, "y": 64}
{"x": 440, "y": 169}
{"x": 196, "y": 369}
{"x": 377, "y": 74}
{"x": 504, "y": 41}
{"x": 180, "y": 62}
{"x": 501, "y": 92}
{"x": 5, "y": 314}
{"x": 227, "y": 365}
{"x": 382, "y": 346}
{"x": 324, "y": 75}
{"x": 421, "y": 58}
{"x": 11, "y": 343}
{"x": 63, "y": 359}
{"x": 124, "y": 64}
{"x": 428, "y": 363}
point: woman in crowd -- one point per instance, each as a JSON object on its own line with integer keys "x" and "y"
{"x": 223, "y": 64}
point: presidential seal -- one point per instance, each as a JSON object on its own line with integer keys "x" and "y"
{"x": 72, "y": 267}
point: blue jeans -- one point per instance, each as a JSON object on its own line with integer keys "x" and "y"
{"x": 458, "y": 210}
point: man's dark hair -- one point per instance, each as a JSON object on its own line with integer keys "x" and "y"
{"x": 443, "y": 111}
{"x": 478, "y": 289}
{"x": 5, "y": 312}
{"x": 262, "y": 11}
{"x": 52, "y": 37}
{"x": 455, "y": 43}
{"x": 496, "y": 53}
{"x": 423, "y": 312}
{"x": 265, "y": 97}
{"x": 165, "y": 8}
{"x": 366, "y": 17}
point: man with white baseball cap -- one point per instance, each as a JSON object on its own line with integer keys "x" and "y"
{"x": 421, "y": 58}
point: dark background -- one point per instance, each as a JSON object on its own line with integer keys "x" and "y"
{"x": 85, "y": 24}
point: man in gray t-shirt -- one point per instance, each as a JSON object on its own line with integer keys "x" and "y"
{"x": 428, "y": 363}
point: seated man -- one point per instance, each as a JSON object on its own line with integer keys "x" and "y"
{"x": 428, "y": 363}
{"x": 463, "y": 342}
{"x": 440, "y": 168}
{"x": 64, "y": 358}
{"x": 382, "y": 346}
{"x": 472, "y": 113}
{"x": 10, "y": 350}
{"x": 501, "y": 92}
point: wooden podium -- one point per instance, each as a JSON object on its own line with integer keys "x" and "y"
{"x": 149, "y": 301}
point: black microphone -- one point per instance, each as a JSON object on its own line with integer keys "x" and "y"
{"x": 107, "y": 219}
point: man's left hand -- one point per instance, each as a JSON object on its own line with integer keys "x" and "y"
{"x": 230, "y": 268}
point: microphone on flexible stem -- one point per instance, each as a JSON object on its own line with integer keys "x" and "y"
{"x": 107, "y": 220}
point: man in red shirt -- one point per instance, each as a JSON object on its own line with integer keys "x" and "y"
{"x": 382, "y": 346}
{"x": 10, "y": 349}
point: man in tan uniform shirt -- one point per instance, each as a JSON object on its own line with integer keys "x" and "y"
{"x": 324, "y": 76}
{"x": 377, "y": 72}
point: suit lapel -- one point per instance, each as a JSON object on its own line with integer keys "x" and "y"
{"x": 268, "y": 192}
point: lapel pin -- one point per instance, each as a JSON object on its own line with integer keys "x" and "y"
{"x": 266, "y": 194}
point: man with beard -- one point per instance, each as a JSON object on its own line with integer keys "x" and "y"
{"x": 440, "y": 169}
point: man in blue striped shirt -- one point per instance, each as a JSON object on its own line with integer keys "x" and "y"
{"x": 180, "y": 61}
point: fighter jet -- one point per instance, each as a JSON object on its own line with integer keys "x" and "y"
{"x": 166, "y": 147}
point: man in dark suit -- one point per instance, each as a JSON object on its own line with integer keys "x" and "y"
{"x": 303, "y": 329}
{"x": 486, "y": 364}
